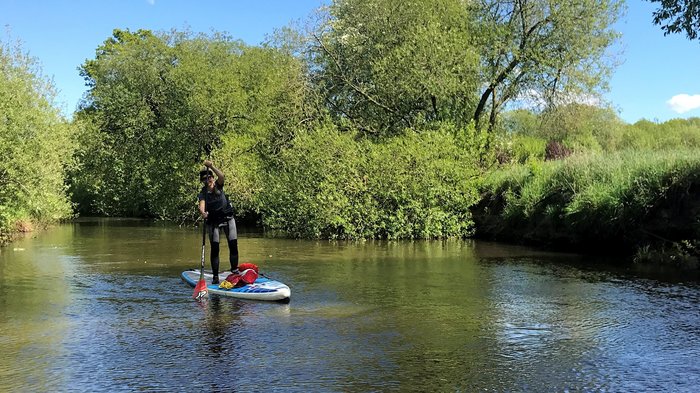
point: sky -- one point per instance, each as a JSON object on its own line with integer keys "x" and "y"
{"x": 657, "y": 79}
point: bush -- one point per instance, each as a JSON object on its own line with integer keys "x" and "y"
{"x": 519, "y": 149}
{"x": 614, "y": 200}
{"x": 672, "y": 134}
{"x": 329, "y": 184}
{"x": 35, "y": 145}
{"x": 556, "y": 150}
{"x": 156, "y": 100}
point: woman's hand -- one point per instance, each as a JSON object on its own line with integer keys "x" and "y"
{"x": 208, "y": 163}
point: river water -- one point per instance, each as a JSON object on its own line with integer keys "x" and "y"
{"x": 98, "y": 305}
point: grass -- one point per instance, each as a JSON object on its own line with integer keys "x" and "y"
{"x": 623, "y": 200}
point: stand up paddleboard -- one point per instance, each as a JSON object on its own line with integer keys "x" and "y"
{"x": 262, "y": 289}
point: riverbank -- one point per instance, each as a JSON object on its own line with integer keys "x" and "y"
{"x": 640, "y": 204}
{"x": 16, "y": 231}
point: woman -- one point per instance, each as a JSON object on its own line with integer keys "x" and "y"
{"x": 217, "y": 212}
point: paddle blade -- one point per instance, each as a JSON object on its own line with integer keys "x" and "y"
{"x": 200, "y": 290}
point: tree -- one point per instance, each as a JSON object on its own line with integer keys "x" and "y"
{"x": 552, "y": 50}
{"x": 582, "y": 127}
{"x": 36, "y": 144}
{"x": 129, "y": 109}
{"x": 678, "y": 16}
{"x": 386, "y": 65}
{"x": 157, "y": 99}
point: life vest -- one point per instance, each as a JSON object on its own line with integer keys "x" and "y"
{"x": 247, "y": 274}
{"x": 248, "y": 265}
{"x": 217, "y": 204}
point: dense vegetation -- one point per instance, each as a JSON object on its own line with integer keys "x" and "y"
{"x": 579, "y": 178}
{"x": 610, "y": 203}
{"x": 36, "y": 146}
{"x": 378, "y": 119}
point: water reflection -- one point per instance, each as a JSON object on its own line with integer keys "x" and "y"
{"x": 223, "y": 322}
{"x": 99, "y": 306}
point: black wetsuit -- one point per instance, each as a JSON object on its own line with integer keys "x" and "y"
{"x": 220, "y": 217}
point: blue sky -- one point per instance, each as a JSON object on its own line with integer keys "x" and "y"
{"x": 657, "y": 80}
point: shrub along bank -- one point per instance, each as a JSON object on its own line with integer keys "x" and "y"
{"x": 643, "y": 202}
{"x": 338, "y": 185}
{"x": 36, "y": 147}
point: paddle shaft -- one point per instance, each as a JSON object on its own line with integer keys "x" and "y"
{"x": 204, "y": 242}
{"x": 200, "y": 290}
{"x": 204, "y": 233}
{"x": 207, "y": 148}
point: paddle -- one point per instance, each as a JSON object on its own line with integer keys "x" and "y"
{"x": 200, "y": 290}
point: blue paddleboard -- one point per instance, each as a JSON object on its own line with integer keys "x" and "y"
{"x": 262, "y": 289}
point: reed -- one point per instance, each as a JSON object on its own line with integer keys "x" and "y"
{"x": 604, "y": 201}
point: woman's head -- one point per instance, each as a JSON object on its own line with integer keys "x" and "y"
{"x": 207, "y": 177}
{"x": 205, "y": 174}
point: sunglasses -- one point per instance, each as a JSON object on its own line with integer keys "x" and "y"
{"x": 205, "y": 178}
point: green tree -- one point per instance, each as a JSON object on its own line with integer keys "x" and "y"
{"x": 385, "y": 65}
{"x": 672, "y": 134}
{"x": 518, "y": 138}
{"x": 333, "y": 184}
{"x": 678, "y": 16}
{"x": 520, "y": 121}
{"x": 156, "y": 100}
{"x": 550, "y": 50}
{"x": 36, "y": 144}
{"x": 582, "y": 127}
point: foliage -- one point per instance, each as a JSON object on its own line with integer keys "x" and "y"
{"x": 387, "y": 65}
{"x": 35, "y": 146}
{"x": 556, "y": 150}
{"x": 418, "y": 186}
{"x": 520, "y": 122}
{"x": 581, "y": 127}
{"x": 516, "y": 139}
{"x": 682, "y": 255}
{"x": 370, "y": 126}
{"x": 518, "y": 148}
{"x": 678, "y": 16}
{"x": 523, "y": 135}
{"x": 672, "y": 134}
{"x": 549, "y": 51}
{"x": 611, "y": 200}
{"x": 157, "y": 100}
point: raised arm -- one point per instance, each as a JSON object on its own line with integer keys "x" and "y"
{"x": 219, "y": 175}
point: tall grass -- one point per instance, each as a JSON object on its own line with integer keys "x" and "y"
{"x": 614, "y": 200}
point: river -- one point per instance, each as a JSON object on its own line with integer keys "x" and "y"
{"x": 98, "y": 305}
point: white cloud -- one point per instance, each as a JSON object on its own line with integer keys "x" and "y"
{"x": 151, "y": 2}
{"x": 682, "y": 103}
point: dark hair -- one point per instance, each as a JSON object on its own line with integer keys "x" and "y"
{"x": 204, "y": 173}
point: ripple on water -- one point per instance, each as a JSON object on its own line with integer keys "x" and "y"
{"x": 101, "y": 323}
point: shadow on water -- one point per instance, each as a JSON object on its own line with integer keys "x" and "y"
{"x": 99, "y": 306}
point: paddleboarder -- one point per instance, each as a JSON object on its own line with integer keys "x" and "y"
{"x": 217, "y": 212}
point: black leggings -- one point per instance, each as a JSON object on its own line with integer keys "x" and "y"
{"x": 231, "y": 233}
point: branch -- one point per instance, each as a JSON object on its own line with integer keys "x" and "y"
{"x": 348, "y": 82}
